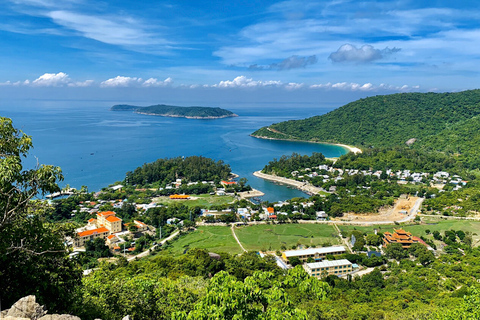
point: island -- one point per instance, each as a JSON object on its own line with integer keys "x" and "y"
{"x": 177, "y": 112}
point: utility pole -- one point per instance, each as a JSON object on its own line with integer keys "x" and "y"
{"x": 160, "y": 233}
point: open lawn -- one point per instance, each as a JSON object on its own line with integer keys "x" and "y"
{"x": 213, "y": 238}
{"x": 203, "y": 200}
{"x": 272, "y": 237}
{"x": 432, "y": 224}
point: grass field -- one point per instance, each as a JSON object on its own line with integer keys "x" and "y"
{"x": 204, "y": 201}
{"x": 432, "y": 224}
{"x": 214, "y": 238}
{"x": 272, "y": 237}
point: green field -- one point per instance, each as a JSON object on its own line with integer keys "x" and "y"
{"x": 432, "y": 224}
{"x": 212, "y": 238}
{"x": 272, "y": 237}
{"x": 204, "y": 201}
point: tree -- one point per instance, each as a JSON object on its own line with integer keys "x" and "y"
{"x": 373, "y": 239}
{"x": 33, "y": 257}
{"x": 395, "y": 251}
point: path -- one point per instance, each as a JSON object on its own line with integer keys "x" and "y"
{"x": 238, "y": 241}
{"x": 347, "y": 243}
{"x": 147, "y": 252}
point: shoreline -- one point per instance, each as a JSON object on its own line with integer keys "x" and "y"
{"x": 302, "y": 186}
{"x": 353, "y": 149}
{"x": 187, "y": 117}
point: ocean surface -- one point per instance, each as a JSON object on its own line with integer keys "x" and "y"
{"x": 95, "y": 147}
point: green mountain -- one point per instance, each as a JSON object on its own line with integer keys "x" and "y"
{"x": 433, "y": 119}
{"x": 174, "y": 111}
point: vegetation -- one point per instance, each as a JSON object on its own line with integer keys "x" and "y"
{"x": 287, "y": 164}
{"x": 33, "y": 257}
{"x": 174, "y": 111}
{"x": 383, "y": 121}
{"x": 165, "y": 171}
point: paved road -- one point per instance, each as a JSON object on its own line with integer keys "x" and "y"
{"x": 147, "y": 252}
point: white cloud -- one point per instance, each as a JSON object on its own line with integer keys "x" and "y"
{"x": 112, "y": 30}
{"x": 86, "y": 83}
{"x": 120, "y": 81}
{"x": 153, "y": 82}
{"x": 294, "y": 86}
{"x": 244, "y": 82}
{"x": 352, "y": 86}
{"x": 366, "y": 53}
{"x": 52, "y": 80}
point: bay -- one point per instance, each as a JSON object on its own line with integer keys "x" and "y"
{"x": 95, "y": 147}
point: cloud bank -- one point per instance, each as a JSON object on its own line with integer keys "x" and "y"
{"x": 292, "y": 62}
{"x": 364, "y": 54}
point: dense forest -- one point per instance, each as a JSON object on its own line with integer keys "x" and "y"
{"x": 165, "y": 171}
{"x": 174, "y": 111}
{"x": 385, "y": 121}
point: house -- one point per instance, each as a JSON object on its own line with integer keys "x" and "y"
{"x": 112, "y": 240}
{"x": 321, "y": 215}
{"x": 110, "y": 221}
{"x": 317, "y": 254}
{"x": 87, "y": 235}
{"x": 399, "y": 236}
{"x": 335, "y": 267}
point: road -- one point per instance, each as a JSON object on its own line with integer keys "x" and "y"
{"x": 147, "y": 252}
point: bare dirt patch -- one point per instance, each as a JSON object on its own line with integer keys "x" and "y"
{"x": 399, "y": 211}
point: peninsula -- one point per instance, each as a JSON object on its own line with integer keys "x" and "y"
{"x": 177, "y": 112}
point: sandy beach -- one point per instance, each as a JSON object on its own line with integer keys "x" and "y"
{"x": 350, "y": 148}
{"x": 303, "y": 186}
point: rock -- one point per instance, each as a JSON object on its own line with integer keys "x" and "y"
{"x": 26, "y": 308}
{"x": 14, "y": 318}
{"x": 59, "y": 317}
{"x": 3, "y": 314}
{"x": 127, "y": 317}
{"x": 411, "y": 141}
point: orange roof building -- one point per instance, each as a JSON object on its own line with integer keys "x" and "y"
{"x": 399, "y": 236}
{"x": 87, "y": 235}
{"x": 179, "y": 197}
{"x": 270, "y": 210}
{"x": 228, "y": 183}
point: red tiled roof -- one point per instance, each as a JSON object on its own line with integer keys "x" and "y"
{"x": 113, "y": 219}
{"x": 92, "y": 219}
{"x": 110, "y": 237}
{"x": 94, "y": 231}
{"x": 106, "y": 213}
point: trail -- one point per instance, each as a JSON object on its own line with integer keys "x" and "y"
{"x": 235, "y": 236}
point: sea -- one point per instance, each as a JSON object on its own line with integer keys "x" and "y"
{"x": 95, "y": 147}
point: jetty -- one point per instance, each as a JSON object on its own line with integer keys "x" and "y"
{"x": 62, "y": 193}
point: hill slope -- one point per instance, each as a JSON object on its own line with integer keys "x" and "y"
{"x": 174, "y": 111}
{"x": 382, "y": 121}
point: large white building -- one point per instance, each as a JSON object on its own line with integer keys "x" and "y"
{"x": 336, "y": 267}
{"x": 317, "y": 254}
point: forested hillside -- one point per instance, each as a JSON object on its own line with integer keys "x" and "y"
{"x": 388, "y": 120}
{"x": 163, "y": 171}
{"x": 175, "y": 111}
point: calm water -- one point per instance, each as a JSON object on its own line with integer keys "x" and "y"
{"x": 96, "y": 147}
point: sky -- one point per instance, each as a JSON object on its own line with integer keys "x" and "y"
{"x": 338, "y": 49}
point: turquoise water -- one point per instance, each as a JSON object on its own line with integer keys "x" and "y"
{"x": 96, "y": 147}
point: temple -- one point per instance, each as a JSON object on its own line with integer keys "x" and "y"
{"x": 399, "y": 236}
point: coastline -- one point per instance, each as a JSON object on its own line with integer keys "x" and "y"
{"x": 345, "y": 146}
{"x": 302, "y": 186}
{"x": 187, "y": 117}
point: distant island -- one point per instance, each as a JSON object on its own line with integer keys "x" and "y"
{"x": 177, "y": 112}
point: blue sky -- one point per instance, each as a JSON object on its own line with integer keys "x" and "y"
{"x": 367, "y": 47}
